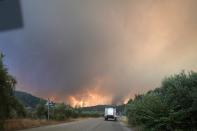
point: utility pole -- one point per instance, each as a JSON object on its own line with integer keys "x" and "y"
{"x": 49, "y": 105}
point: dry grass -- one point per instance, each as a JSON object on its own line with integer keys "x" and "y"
{"x": 134, "y": 128}
{"x": 124, "y": 119}
{"x": 19, "y": 124}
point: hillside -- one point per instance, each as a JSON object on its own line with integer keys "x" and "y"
{"x": 28, "y": 100}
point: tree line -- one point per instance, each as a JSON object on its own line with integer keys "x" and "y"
{"x": 63, "y": 112}
{"x": 172, "y": 107}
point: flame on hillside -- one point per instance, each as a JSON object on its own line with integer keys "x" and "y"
{"x": 89, "y": 98}
{"x": 92, "y": 95}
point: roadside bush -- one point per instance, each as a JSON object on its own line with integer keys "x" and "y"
{"x": 62, "y": 112}
{"x": 41, "y": 111}
{"x": 68, "y": 112}
{"x": 89, "y": 114}
{"x": 59, "y": 112}
{"x": 17, "y": 110}
{"x": 74, "y": 114}
{"x": 151, "y": 111}
{"x": 171, "y": 107}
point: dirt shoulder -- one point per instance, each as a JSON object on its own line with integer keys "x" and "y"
{"x": 19, "y": 124}
{"x": 124, "y": 120}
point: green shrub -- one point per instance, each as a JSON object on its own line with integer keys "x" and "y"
{"x": 171, "y": 107}
{"x": 41, "y": 111}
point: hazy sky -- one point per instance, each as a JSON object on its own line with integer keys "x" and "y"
{"x": 91, "y": 52}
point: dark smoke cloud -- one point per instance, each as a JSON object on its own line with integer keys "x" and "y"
{"x": 118, "y": 48}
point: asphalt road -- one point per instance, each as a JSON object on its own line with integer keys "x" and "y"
{"x": 92, "y": 124}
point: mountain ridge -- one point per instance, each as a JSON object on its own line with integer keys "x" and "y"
{"x": 28, "y": 100}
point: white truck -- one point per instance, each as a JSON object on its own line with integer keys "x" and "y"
{"x": 110, "y": 112}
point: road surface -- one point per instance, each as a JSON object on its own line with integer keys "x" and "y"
{"x": 92, "y": 124}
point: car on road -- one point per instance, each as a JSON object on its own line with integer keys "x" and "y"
{"x": 110, "y": 113}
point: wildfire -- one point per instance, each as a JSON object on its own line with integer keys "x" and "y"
{"x": 90, "y": 96}
{"x": 88, "y": 99}
{"x": 126, "y": 100}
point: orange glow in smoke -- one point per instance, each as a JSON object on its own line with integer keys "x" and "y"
{"x": 90, "y": 98}
{"x": 92, "y": 95}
